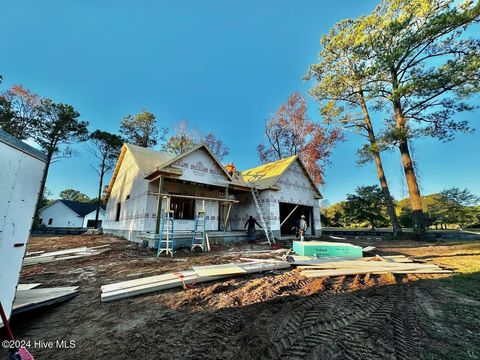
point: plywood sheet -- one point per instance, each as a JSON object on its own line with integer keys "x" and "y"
{"x": 215, "y": 270}
{"x": 34, "y": 298}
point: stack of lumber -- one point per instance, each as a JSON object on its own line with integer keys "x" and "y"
{"x": 247, "y": 253}
{"x": 46, "y": 257}
{"x": 198, "y": 274}
{"x": 397, "y": 264}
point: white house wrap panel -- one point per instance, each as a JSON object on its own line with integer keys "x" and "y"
{"x": 130, "y": 191}
{"x": 21, "y": 170}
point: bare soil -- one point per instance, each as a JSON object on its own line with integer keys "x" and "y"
{"x": 263, "y": 316}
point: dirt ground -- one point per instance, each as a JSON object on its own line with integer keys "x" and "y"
{"x": 263, "y": 316}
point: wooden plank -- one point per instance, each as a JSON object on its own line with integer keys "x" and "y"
{"x": 168, "y": 281}
{"x": 368, "y": 248}
{"x": 264, "y": 260}
{"x": 146, "y": 281}
{"x": 27, "y": 286}
{"x": 337, "y": 272}
{"x": 361, "y": 265}
{"x": 291, "y": 212}
{"x": 26, "y": 300}
{"x": 345, "y": 273}
{"x": 253, "y": 252}
{"x": 64, "y": 252}
{"x": 34, "y": 253}
{"x": 216, "y": 270}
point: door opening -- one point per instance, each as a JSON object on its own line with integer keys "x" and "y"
{"x": 295, "y": 211}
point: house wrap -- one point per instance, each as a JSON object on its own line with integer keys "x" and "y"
{"x": 196, "y": 180}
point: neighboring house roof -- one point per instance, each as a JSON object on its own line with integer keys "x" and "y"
{"x": 266, "y": 176}
{"x": 78, "y": 207}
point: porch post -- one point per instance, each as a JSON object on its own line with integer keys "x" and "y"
{"x": 224, "y": 210}
{"x": 159, "y": 205}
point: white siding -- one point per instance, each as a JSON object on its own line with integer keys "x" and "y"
{"x": 91, "y": 216}
{"x": 20, "y": 178}
{"x": 61, "y": 215}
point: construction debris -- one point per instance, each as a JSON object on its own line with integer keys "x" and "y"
{"x": 29, "y": 298}
{"x": 183, "y": 279}
{"x": 368, "y": 249}
{"x": 64, "y": 254}
{"x": 375, "y": 265}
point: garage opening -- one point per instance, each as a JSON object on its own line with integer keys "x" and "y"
{"x": 295, "y": 211}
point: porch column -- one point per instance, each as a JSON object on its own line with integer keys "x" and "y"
{"x": 159, "y": 205}
{"x": 224, "y": 210}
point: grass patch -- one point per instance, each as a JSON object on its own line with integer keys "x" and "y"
{"x": 455, "y": 332}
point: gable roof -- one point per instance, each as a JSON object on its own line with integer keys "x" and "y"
{"x": 188, "y": 152}
{"x": 151, "y": 162}
{"x": 266, "y": 176}
{"x": 147, "y": 159}
{"x": 78, "y": 207}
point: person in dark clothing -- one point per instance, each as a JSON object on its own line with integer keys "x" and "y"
{"x": 251, "y": 227}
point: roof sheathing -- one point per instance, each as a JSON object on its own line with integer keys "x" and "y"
{"x": 267, "y": 175}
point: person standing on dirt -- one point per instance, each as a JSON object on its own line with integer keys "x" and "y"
{"x": 251, "y": 227}
{"x": 302, "y": 227}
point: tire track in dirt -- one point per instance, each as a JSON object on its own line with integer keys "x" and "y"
{"x": 368, "y": 324}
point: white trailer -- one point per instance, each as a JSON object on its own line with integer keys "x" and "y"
{"x": 21, "y": 171}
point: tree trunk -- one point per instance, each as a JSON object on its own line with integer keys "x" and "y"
{"x": 42, "y": 188}
{"x": 99, "y": 199}
{"x": 411, "y": 177}
{"x": 379, "y": 166}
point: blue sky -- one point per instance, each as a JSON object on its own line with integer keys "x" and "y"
{"x": 224, "y": 66}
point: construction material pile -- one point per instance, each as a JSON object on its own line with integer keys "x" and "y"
{"x": 183, "y": 279}
{"x": 312, "y": 267}
{"x": 40, "y": 257}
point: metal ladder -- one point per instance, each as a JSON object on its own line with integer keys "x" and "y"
{"x": 199, "y": 232}
{"x": 261, "y": 214}
{"x": 165, "y": 244}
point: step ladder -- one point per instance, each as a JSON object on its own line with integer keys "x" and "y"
{"x": 165, "y": 244}
{"x": 261, "y": 214}
{"x": 199, "y": 232}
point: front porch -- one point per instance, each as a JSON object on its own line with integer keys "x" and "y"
{"x": 184, "y": 238}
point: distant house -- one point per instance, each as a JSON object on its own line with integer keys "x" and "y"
{"x": 197, "y": 180}
{"x": 70, "y": 214}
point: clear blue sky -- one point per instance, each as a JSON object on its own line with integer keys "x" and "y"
{"x": 223, "y": 66}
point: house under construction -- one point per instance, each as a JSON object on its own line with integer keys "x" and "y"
{"x": 146, "y": 183}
